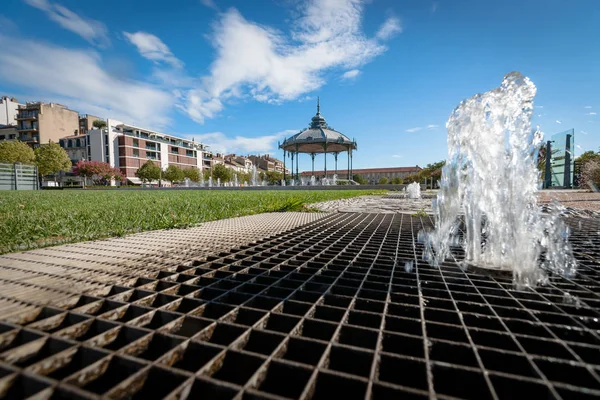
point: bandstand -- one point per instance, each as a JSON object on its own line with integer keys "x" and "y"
{"x": 318, "y": 138}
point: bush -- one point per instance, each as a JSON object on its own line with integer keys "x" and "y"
{"x": 397, "y": 181}
{"x": 383, "y": 181}
{"x": 359, "y": 179}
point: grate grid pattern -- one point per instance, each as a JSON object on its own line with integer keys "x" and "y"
{"x": 341, "y": 307}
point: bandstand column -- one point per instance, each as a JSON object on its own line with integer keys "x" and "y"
{"x": 312, "y": 155}
{"x": 297, "y": 156}
{"x": 292, "y": 155}
{"x": 325, "y": 155}
{"x": 284, "y": 165}
{"x": 349, "y": 176}
{"x": 335, "y": 156}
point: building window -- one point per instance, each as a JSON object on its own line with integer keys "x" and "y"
{"x": 136, "y": 153}
{"x": 78, "y": 143}
{"x": 61, "y": 143}
{"x": 70, "y": 143}
{"x": 174, "y": 150}
{"x": 136, "y": 143}
{"x": 189, "y": 153}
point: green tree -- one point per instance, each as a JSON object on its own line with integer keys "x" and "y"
{"x": 359, "y": 179}
{"x": 206, "y": 173}
{"x": 100, "y": 124}
{"x": 51, "y": 158}
{"x": 193, "y": 174}
{"x": 221, "y": 172}
{"x": 397, "y": 181}
{"x": 383, "y": 181}
{"x": 587, "y": 157}
{"x": 590, "y": 175}
{"x": 148, "y": 172}
{"x": 16, "y": 152}
{"x": 173, "y": 174}
{"x": 273, "y": 177}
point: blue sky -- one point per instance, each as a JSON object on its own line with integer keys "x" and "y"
{"x": 241, "y": 75}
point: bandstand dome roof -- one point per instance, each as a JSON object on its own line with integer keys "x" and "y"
{"x": 318, "y": 138}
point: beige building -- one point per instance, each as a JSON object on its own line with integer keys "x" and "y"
{"x": 86, "y": 123}
{"x": 39, "y": 123}
{"x": 268, "y": 163}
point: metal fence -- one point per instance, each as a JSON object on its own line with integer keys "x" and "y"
{"x": 18, "y": 177}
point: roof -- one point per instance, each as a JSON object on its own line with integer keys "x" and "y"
{"x": 73, "y": 137}
{"x": 318, "y": 138}
{"x": 369, "y": 171}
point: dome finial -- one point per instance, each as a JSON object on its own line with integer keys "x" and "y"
{"x": 318, "y": 105}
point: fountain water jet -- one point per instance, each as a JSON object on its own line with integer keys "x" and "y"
{"x": 491, "y": 176}
{"x": 414, "y": 190}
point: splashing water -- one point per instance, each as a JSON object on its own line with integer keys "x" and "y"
{"x": 414, "y": 190}
{"x": 491, "y": 176}
{"x": 254, "y": 178}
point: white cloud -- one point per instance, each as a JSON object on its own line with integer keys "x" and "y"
{"x": 220, "y": 143}
{"x": 76, "y": 78}
{"x": 352, "y": 74}
{"x": 152, "y": 48}
{"x": 587, "y": 107}
{"x": 259, "y": 62}
{"x": 91, "y": 30}
{"x": 412, "y": 130}
{"x": 434, "y": 7}
{"x": 396, "y": 156}
{"x": 584, "y": 132}
{"x": 432, "y": 126}
{"x": 558, "y": 122}
{"x": 539, "y": 106}
{"x": 209, "y": 4}
{"x": 389, "y": 28}
{"x": 592, "y": 113}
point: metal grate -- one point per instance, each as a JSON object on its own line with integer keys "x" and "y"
{"x": 327, "y": 310}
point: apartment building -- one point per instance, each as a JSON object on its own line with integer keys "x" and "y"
{"x": 128, "y": 147}
{"x": 238, "y": 163}
{"x": 86, "y": 123}
{"x": 9, "y": 108}
{"x": 267, "y": 163}
{"x": 39, "y": 123}
{"x": 76, "y": 147}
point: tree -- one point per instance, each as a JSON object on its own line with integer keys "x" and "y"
{"x": 206, "y": 173}
{"x": 397, "y": 181}
{"x": 101, "y": 173}
{"x": 51, "y": 158}
{"x": 148, "y": 172}
{"x": 100, "y": 124}
{"x": 193, "y": 174}
{"x": 273, "y": 177}
{"x": 359, "y": 179}
{"x": 173, "y": 174}
{"x": 590, "y": 174}
{"x": 16, "y": 152}
{"x": 383, "y": 181}
{"x": 221, "y": 172}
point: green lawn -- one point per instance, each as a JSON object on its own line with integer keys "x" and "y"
{"x": 31, "y": 219}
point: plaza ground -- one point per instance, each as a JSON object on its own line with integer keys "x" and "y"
{"x": 296, "y": 305}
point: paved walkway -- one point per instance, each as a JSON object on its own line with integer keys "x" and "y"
{"x": 59, "y": 275}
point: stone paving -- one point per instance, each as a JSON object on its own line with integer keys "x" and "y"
{"x": 578, "y": 203}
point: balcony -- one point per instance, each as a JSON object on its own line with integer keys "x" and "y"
{"x": 27, "y": 116}
{"x": 27, "y": 129}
